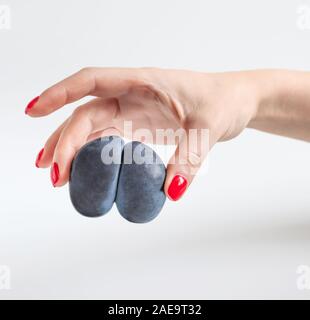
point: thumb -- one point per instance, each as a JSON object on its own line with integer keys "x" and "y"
{"x": 191, "y": 151}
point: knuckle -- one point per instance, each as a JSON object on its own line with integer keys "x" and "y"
{"x": 194, "y": 159}
{"x": 51, "y": 94}
{"x": 87, "y": 70}
{"x": 79, "y": 112}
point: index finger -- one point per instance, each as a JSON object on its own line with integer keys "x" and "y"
{"x": 100, "y": 82}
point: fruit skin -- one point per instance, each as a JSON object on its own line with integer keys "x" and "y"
{"x": 140, "y": 196}
{"x": 93, "y": 184}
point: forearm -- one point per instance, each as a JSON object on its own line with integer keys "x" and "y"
{"x": 284, "y": 106}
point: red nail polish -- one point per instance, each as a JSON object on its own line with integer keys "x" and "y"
{"x": 39, "y": 158}
{"x": 55, "y": 173}
{"x": 31, "y": 104}
{"x": 177, "y": 187}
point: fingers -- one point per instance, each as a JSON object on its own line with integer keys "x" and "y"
{"x": 45, "y": 156}
{"x": 66, "y": 91}
{"x": 100, "y": 82}
{"x": 88, "y": 119}
{"x": 193, "y": 147}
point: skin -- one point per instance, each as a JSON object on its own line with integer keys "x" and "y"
{"x": 274, "y": 101}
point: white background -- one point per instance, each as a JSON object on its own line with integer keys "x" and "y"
{"x": 241, "y": 231}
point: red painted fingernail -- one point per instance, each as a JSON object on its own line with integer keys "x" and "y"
{"x": 39, "y": 158}
{"x": 55, "y": 173}
{"x": 177, "y": 187}
{"x": 31, "y": 104}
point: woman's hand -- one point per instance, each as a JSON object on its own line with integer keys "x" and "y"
{"x": 152, "y": 99}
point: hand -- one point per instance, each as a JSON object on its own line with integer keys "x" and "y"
{"x": 152, "y": 99}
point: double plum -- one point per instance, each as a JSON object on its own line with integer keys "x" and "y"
{"x": 106, "y": 171}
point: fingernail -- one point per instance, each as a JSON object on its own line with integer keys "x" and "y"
{"x": 39, "y": 158}
{"x": 31, "y": 104}
{"x": 177, "y": 187}
{"x": 55, "y": 173}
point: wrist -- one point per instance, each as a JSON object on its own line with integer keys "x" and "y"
{"x": 284, "y": 103}
{"x": 269, "y": 94}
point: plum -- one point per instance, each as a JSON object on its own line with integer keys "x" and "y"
{"x": 93, "y": 180}
{"x": 140, "y": 196}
